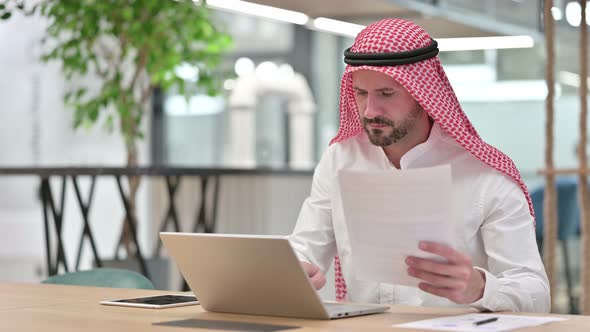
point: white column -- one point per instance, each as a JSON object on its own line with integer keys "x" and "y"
{"x": 301, "y": 124}
{"x": 241, "y": 147}
{"x": 300, "y": 138}
{"x": 241, "y": 151}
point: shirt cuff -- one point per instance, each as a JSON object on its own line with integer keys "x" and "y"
{"x": 486, "y": 303}
{"x": 298, "y": 253}
{"x": 302, "y": 258}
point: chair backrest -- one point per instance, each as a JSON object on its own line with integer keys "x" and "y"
{"x": 568, "y": 211}
{"x": 102, "y": 277}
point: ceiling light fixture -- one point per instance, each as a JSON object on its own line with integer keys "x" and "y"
{"x": 269, "y": 12}
{"x": 571, "y": 79}
{"x": 484, "y": 43}
{"x": 573, "y": 13}
{"x": 335, "y": 26}
{"x": 556, "y": 13}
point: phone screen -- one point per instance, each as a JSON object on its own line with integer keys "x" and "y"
{"x": 159, "y": 299}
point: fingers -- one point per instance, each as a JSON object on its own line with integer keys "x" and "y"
{"x": 455, "y": 279}
{"x": 309, "y": 269}
{"x": 460, "y": 272}
{"x": 317, "y": 277}
{"x": 445, "y": 251}
{"x": 318, "y": 280}
{"x": 438, "y": 280}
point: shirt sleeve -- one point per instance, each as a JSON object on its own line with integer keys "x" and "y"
{"x": 515, "y": 276}
{"x": 313, "y": 237}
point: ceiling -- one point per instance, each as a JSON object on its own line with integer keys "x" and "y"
{"x": 369, "y": 11}
{"x": 459, "y": 18}
{"x": 339, "y": 8}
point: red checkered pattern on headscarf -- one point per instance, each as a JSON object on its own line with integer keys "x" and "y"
{"x": 427, "y": 82}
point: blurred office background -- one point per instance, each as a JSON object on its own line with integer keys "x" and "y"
{"x": 501, "y": 88}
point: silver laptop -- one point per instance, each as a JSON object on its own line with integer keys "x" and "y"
{"x": 252, "y": 274}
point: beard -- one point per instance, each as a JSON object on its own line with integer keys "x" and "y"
{"x": 394, "y": 132}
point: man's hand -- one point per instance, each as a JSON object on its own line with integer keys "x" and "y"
{"x": 455, "y": 279}
{"x": 317, "y": 277}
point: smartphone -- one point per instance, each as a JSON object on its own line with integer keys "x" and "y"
{"x": 155, "y": 302}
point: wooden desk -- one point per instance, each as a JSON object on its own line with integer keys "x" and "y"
{"x": 54, "y": 308}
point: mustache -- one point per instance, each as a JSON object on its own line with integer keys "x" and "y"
{"x": 379, "y": 120}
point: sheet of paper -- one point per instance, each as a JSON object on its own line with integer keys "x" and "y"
{"x": 389, "y": 212}
{"x": 466, "y": 323}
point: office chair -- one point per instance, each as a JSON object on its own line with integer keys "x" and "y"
{"x": 569, "y": 223}
{"x": 102, "y": 277}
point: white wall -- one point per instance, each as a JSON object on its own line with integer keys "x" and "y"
{"x": 22, "y": 141}
{"x": 36, "y": 130}
{"x": 518, "y": 129}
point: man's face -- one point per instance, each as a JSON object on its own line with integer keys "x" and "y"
{"x": 387, "y": 111}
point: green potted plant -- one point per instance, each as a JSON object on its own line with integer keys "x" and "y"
{"x": 130, "y": 47}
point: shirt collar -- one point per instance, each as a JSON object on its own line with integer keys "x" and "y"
{"x": 420, "y": 150}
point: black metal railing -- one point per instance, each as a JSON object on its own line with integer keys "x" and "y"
{"x": 54, "y": 213}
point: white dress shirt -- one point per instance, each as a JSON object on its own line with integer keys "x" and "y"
{"x": 494, "y": 225}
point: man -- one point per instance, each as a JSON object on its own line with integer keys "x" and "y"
{"x": 398, "y": 111}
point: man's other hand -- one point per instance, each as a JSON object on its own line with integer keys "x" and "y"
{"x": 317, "y": 277}
{"x": 455, "y": 279}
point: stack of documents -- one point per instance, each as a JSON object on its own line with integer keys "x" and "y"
{"x": 388, "y": 213}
